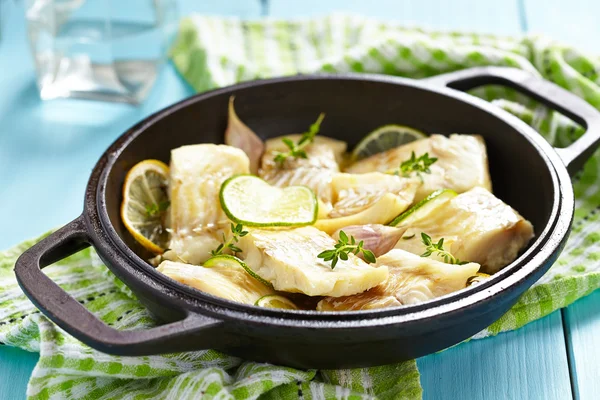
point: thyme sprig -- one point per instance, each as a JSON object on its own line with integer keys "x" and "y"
{"x": 345, "y": 246}
{"x": 438, "y": 248}
{"x": 416, "y": 164}
{"x": 296, "y": 150}
{"x": 237, "y": 232}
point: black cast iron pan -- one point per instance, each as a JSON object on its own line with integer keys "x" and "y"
{"x": 527, "y": 173}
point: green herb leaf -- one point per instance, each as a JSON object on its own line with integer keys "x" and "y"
{"x": 297, "y": 149}
{"x": 237, "y": 231}
{"x": 343, "y": 247}
{"x": 414, "y": 164}
{"x": 438, "y": 248}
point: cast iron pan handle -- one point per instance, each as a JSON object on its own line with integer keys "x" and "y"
{"x": 73, "y": 317}
{"x": 545, "y": 92}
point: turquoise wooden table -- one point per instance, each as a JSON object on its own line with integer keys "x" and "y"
{"x": 47, "y": 150}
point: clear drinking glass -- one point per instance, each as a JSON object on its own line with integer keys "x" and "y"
{"x": 99, "y": 49}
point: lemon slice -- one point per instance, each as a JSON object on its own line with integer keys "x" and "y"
{"x": 145, "y": 201}
{"x": 424, "y": 207}
{"x": 250, "y": 201}
{"x": 225, "y": 260}
{"x": 384, "y": 138}
{"x": 276, "y": 301}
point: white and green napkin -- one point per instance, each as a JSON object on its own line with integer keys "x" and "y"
{"x": 212, "y": 52}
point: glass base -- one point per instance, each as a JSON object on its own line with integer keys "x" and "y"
{"x": 123, "y": 81}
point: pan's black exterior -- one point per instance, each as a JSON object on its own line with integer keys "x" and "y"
{"x": 526, "y": 172}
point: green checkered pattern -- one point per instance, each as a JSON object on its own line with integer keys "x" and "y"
{"x": 212, "y": 52}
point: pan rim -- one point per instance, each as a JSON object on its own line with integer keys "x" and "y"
{"x": 551, "y": 238}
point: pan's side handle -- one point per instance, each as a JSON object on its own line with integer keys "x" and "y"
{"x": 545, "y": 92}
{"x": 74, "y": 318}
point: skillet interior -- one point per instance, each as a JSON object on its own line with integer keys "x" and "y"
{"x": 522, "y": 175}
{"x": 353, "y": 108}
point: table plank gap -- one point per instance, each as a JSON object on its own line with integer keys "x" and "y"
{"x": 583, "y": 324}
{"x": 522, "y": 15}
{"x": 264, "y": 8}
{"x": 570, "y": 356}
{"x": 15, "y": 369}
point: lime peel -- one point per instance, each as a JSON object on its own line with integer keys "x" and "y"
{"x": 250, "y": 201}
{"x": 384, "y": 138}
{"x": 424, "y": 207}
{"x": 272, "y": 300}
{"x": 228, "y": 260}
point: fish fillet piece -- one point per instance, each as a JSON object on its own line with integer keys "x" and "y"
{"x": 233, "y": 284}
{"x": 412, "y": 279}
{"x": 195, "y": 217}
{"x": 288, "y": 259}
{"x": 197, "y": 173}
{"x": 324, "y": 157}
{"x": 371, "y": 198}
{"x": 196, "y": 247}
{"x": 476, "y": 226}
{"x": 462, "y": 163}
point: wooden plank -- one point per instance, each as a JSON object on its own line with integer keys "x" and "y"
{"x": 530, "y": 363}
{"x": 574, "y": 22}
{"x": 15, "y": 368}
{"x": 500, "y": 17}
{"x": 583, "y": 325}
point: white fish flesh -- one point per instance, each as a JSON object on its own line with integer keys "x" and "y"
{"x": 288, "y": 259}
{"x": 412, "y": 279}
{"x": 461, "y": 164}
{"x": 476, "y": 226}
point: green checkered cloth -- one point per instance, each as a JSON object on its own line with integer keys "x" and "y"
{"x": 212, "y": 52}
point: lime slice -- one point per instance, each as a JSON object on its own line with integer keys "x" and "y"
{"x": 276, "y": 301}
{"x": 225, "y": 260}
{"x": 475, "y": 279}
{"x": 424, "y": 207}
{"x": 145, "y": 202}
{"x": 250, "y": 201}
{"x": 384, "y": 138}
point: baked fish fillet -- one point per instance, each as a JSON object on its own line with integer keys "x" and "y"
{"x": 412, "y": 279}
{"x": 476, "y": 226}
{"x": 371, "y": 198}
{"x": 231, "y": 283}
{"x": 195, "y": 215}
{"x": 324, "y": 156}
{"x": 288, "y": 259}
{"x": 461, "y": 163}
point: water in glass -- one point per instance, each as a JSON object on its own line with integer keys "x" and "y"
{"x": 99, "y": 49}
